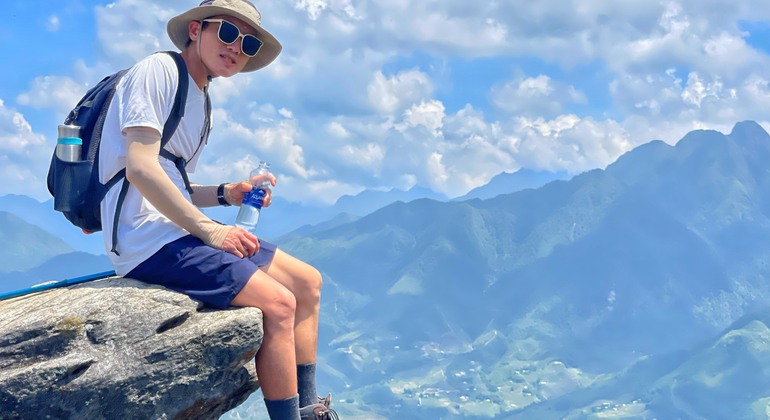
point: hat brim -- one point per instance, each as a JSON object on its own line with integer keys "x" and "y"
{"x": 178, "y": 31}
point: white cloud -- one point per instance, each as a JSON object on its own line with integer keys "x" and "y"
{"x": 696, "y": 90}
{"x": 429, "y": 115}
{"x": 336, "y": 129}
{"x": 538, "y": 95}
{"x": 369, "y": 156}
{"x": 391, "y": 94}
{"x": 54, "y": 92}
{"x": 24, "y": 156}
{"x": 53, "y": 23}
{"x": 128, "y": 30}
{"x": 312, "y": 7}
{"x": 234, "y": 141}
{"x": 366, "y": 93}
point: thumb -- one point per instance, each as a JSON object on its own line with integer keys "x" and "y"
{"x": 244, "y": 186}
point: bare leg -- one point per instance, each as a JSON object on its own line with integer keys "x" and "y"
{"x": 304, "y": 282}
{"x": 276, "y": 362}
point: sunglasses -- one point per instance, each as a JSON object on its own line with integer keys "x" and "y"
{"x": 229, "y": 33}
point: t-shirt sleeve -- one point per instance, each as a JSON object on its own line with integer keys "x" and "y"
{"x": 146, "y": 93}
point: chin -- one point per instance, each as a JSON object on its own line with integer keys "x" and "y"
{"x": 226, "y": 73}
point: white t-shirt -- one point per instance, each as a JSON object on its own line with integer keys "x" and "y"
{"x": 144, "y": 98}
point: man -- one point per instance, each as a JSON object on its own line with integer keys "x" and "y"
{"x": 162, "y": 236}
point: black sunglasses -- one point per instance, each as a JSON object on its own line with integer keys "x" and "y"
{"x": 229, "y": 33}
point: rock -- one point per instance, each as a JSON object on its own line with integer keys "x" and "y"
{"x": 121, "y": 349}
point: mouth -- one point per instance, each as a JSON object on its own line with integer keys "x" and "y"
{"x": 227, "y": 59}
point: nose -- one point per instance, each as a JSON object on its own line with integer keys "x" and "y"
{"x": 236, "y": 45}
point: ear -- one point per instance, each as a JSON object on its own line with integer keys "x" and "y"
{"x": 194, "y": 29}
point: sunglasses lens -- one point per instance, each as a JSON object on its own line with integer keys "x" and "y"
{"x": 228, "y": 32}
{"x": 251, "y": 45}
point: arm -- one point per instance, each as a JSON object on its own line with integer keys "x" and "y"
{"x": 143, "y": 170}
{"x": 206, "y": 195}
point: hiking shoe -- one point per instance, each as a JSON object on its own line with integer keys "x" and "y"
{"x": 317, "y": 412}
{"x": 326, "y": 401}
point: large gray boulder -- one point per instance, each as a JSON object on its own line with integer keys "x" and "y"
{"x": 121, "y": 349}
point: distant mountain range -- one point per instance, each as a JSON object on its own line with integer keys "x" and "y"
{"x": 637, "y": 291}
{"x": 457, "y": 308}
{"x": 279, "y": 222}
{"x": 506, "y": 183}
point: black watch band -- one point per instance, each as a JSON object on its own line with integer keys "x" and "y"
{"x": 221, "y": 195}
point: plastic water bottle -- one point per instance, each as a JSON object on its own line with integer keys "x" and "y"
{"x": 69, "y": 144}
{"x": 248, "y": 215}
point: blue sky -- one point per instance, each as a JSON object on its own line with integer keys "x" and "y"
{"x": 440, "y": 94}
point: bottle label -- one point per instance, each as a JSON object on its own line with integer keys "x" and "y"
{"x": 254, "y": 197}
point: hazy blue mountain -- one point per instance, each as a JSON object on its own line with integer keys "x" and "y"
{"x": 725, "y": 378}
{"x": 568, "y": 282}
{"x": 506, "y": 183}
{"x": 45, "y": 217}
{"x": 368, "y": 201}
{"x": 59, "y": 267}
{"x": 340, "y": 219}
{"x": 283, "y": 217}
{"x": 25, "y": 245}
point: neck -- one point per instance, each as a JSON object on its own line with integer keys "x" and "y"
{"x": 195, "y": 66}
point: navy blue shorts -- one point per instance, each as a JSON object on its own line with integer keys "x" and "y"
{"x": 210, "y": 275}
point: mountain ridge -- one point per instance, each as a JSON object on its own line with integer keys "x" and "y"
{"x": 667, "y": 242}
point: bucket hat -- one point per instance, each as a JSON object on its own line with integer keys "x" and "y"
{"x": 178, "y": 27}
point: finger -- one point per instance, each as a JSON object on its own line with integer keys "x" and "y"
{"x": 234, "y": 251}
{"x": 259, "y": 179}
{"x": 249, "y": 243}
{"x": 268, "y": 198}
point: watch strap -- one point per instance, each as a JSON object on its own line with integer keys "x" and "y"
{"x": 221, "y": 195}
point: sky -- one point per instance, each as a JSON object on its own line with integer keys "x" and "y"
{"x": 383, "y": 94}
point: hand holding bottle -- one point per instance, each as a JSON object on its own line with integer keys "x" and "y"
{"x": 254, "y": 200}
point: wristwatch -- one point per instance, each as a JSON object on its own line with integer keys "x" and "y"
{"x": 221, "y": 195}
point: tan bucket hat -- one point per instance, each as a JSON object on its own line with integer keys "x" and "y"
{"x": 178, "y": 27}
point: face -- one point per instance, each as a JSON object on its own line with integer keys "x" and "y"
{"x": 221, "y": 59}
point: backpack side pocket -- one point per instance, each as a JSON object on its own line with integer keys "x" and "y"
{"x": 70, "y": 183}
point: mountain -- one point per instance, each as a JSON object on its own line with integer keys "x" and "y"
{"x": 45, "y": 217}
{"x": 725, "y": 378}
{"x": 480, "y": 308}
{"x": 26, "y": 245}
{"x": 59, "y": 267}
{"x": 368, "y": 201}
{"x": 283, "y": 217}
{"x": 506, "y": 183}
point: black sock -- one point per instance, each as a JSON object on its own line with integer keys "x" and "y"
{"x": 287, "y": 409}
{"x": 306, "y": 384}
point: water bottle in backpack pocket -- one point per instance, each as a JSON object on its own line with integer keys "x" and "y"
{"x": 71, "y": 173}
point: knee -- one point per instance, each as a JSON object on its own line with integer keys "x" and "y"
{"x": 280, "y": 308}
{"x": 312, "y": 282}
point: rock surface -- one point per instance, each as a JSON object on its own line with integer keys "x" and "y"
{"x": 121, "y": 349}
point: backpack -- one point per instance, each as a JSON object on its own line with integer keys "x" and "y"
{"x": 75, "y": 186}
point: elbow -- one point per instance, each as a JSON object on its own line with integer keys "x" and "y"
{"x": 136, "y": 174}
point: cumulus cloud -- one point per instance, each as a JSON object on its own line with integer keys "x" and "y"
{"x": 532, "y": 96}
{"x": 427, "y": 115}
{"x": 128, "y": 30}
{"x": 391, "y": 94}
{"x": 52, "y": 92}
{"x": 365, "y": 93}
{"x": 24, "y": 156}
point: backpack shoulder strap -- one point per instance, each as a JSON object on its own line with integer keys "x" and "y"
{"x": 177, "y": 111}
